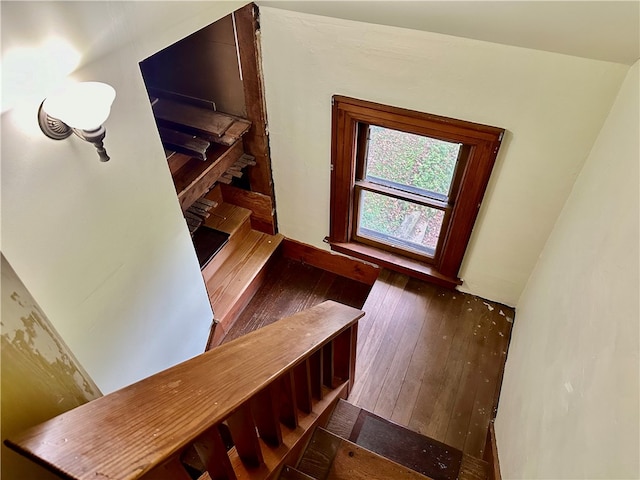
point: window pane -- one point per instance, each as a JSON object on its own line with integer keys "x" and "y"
{"x": 410, "y": 160}
{"x": 399, "y": 222}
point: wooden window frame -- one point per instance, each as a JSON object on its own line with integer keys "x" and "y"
{"x": 480, "y": 144}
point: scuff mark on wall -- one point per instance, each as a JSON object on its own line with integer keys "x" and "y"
{"x": 40, "y": 376}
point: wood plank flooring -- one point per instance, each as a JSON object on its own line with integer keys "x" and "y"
{"x": 428, "y": 358}
{"x": 431, "y": 359}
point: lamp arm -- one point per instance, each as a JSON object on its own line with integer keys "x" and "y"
{"x": 96, "y": 137}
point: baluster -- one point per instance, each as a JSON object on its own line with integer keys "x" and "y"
{"x": 245, "y": 437}
{"x": 302, "y": 380}
{"x": 265, "y": 413}
{"x": 315, "y": 364}
{"x": 213, "y": 454}
{"x": 343, "y": 356}
{"x": 288, "y": 408}
{"x": 328, "y": 365}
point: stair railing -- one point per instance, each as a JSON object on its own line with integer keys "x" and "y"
{"x": 263, "y": 392}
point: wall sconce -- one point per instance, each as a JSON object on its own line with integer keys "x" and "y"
{"x": 81, "y": 108}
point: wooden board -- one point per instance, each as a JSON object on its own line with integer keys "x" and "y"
{"x": 405, "y": 265}
{"x": 184, "y": 143}
{"x": 237, "y": 129}
{"x": 109, "y": 438}
{"x": 186, "y": 117}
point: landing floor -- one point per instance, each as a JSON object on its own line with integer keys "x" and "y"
{"x": 431, "y": 359}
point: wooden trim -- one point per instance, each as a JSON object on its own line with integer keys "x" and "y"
{"x": 491, "y": 454}
{"x": 339, "y": 264}
{"x": 256, "y": 140}
{"x": 451, "y": 124}
{"x": 397, "y": 263}
{"x": 480, "y": 148}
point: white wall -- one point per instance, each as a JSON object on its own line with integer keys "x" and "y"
{"x": 551, "y": 105}
{"x": 102, "y": 247}
{"x": 569, "y": 406}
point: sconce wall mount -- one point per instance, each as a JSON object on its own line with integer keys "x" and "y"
{"x": 80, "y": 109}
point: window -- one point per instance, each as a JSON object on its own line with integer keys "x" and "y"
{"x": 406, "y": 186}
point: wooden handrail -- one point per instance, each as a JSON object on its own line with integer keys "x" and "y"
{"x": 144, "y": 428}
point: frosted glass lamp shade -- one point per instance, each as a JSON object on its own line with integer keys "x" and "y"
{"x": 83, "y": 106}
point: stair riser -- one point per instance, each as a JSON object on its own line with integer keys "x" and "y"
{"x": 227, "y": 251}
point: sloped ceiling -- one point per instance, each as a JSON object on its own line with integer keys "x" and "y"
{"x": 600, "y": 30}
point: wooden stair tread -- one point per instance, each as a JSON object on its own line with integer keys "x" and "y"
{"x": 230, "y": 219}
{"x": 228, "y": 283}
{"x": 227, "y": 218}
{"x": 425, "y": 455}
{"x": 331, "y": 457}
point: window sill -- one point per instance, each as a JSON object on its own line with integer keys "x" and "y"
{"x": 397, "y": 263}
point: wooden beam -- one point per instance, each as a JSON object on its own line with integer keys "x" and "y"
{"x": 256, "y": 140}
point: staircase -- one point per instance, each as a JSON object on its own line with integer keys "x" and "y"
{"x": 268, "y": 390}
{"x": 236, "y": 271}
{"x": 357, "y": 444}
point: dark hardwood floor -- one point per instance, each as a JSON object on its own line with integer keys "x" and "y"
{"x": 431, "y": 359}
{"x": 292, "y": 286}
{"x": 428, "y": 358}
